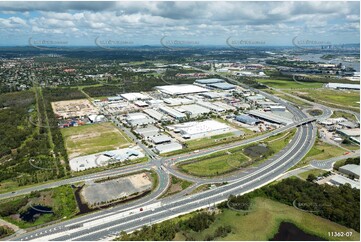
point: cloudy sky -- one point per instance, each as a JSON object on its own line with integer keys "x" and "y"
{"x": 139, "y": 23}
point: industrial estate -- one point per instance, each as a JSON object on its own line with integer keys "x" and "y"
{"x": 158, "y": 143}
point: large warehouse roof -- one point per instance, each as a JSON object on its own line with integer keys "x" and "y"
{"x": 195, "y": 109}
{"x": 270, "y": 117}
{"x": 192, "y": 128}
{"x": 343, "y": 86}
{"x": 222, "y": 85}
{"x": 172, "y": 112}
{"x": 209, "y": 81}
{"x": 351, "y": 168}
{"x": 181, "y": 89}
{"x": 164, "y": 148}
{"x": 154, "y": 113}
{"x": 134, "y": 96}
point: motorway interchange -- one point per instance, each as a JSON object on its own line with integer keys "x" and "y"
{"x": 150, "y": 209}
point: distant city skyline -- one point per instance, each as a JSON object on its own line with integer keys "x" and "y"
{"x": 237, "y": 24}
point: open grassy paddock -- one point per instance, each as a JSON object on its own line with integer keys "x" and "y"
{"x": 316, "y": 172}
{"x": 93, "y": 138}
{"x": 262, "y": 223}
{"x": 320, "y": 151}
{"x": 340, "y": 114}
{"x": 287, "y": 84}
{"x": 333, "y": 98}
{"x": 226, "y": 161}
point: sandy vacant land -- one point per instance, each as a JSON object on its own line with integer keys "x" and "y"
{"x": 93, "y": 138}
{"x": 74, "y": 108}
{"x": 115, "y": 189}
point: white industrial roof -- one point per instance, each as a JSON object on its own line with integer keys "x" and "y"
{"x": 177, "y": 101}
{"x": 350, "y": 132}
{"x": 160, "y": 139}
{"x": 172, "y": 112}
{"x": 210, "y": 106}
{"x": 343, "y": 86}
{"x": 154, "y": 113}
{"x": 181, "y": 89}
{"x": 192, "y": 128}
{"x": 341, "y": 180}
{"x": 195, "y": 109}
{"x": 355, "y": 169}
{"x": 134, "y": 96}
{"x": 135, "y": 116}
{"x": 270, "y": 116}
{"x": 163, "y": 148}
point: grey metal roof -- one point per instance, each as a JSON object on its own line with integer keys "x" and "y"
{"x": 355, "y": 169}
{"x": 222, "y": 85}
{"x": 209, "y": 81}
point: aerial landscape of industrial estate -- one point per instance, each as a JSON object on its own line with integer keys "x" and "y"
{"x": 177, "y": 140}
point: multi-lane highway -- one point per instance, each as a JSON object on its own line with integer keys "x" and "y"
{"x": 129, "y": 216}
{"x": 94, "y": 226}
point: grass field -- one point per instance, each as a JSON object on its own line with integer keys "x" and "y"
{"x": 263, "y": 221}
{"x": 286, "y": 84}
{"x": 89, "y": 139}
{"x": 320, "y": 151}
{"x": 226, "y": 161}
{"x": 288, "y": 98}
{"x": 177, "y": 185}
{"x": 340, "y": 114}
{"x": 61, "y": 200}
{"x": 315, "y": 172}
{"x": 215, "y": 164}
{"x": 333, "y": 98}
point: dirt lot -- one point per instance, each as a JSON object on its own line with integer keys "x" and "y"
{"x": 94, "y": 193}
{"x": 74, "y": 108}
{"x": 93, "y": 138}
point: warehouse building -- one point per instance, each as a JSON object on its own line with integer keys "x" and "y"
{"x": 181, "y": 89}
{"x": 211, "y": 106}
{"x": 343, "y": 86}
{"x": 172, "y": 112}
{"x": 278, "y": 108}
{"x": 211, "y": 95}
{"x": 349, "y": 132}
{"x": 137, "y": 119}
{"x": 194, "y": 110}
{"x": 351, "y": 170}
{"x": 155, "y": 114}
{"x": 150, "y": 130}
{"x": 208, "y": 81}
{"x": 160, "y": 139}
{"x": 177, "y": 101}
{"x": 133, "y": 96}
{"x": 270, "y": 117}
{"x": 255, "y": 98}
{"x": 222, "y": 86}
{"x": 246, "y": 119}
{"x": 195, "y": 130}
{"x": 224, "y": 106}
{"x": 169, "y": 147}
{"x": 341, "y": 180}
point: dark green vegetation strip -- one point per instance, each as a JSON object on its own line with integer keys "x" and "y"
{"x": 260, "y": 214}
{"x": 177, "y": 185}
{"x": 60, "y": 201}
{"x": 223, "y": 162}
